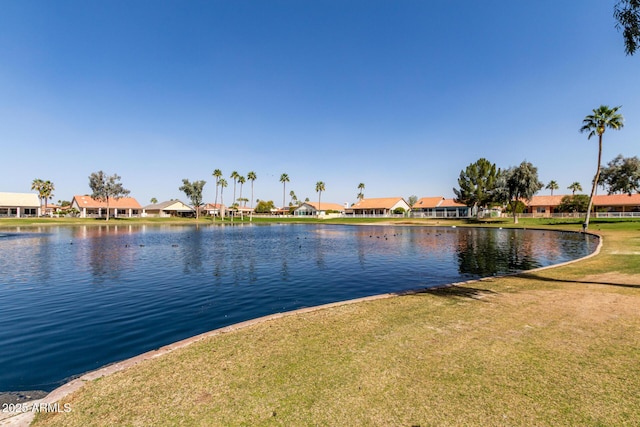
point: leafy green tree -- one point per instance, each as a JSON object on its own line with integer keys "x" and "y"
{"x": 154, "y": 200}
{"x": 320, "y": 187}
{"x": 575, "y": 187}
{"x": 552, "y": 185}
{"x": 575, "y": 203}
{"x": 622, "y": 175}
{"x": 284, "y": 178}
{"x": 251, "y": 176}
{"x": 360, "y": 191}
{"x": 264, "y": 206}
{"x": 193, "y": 190}
{"x": 477, "y": 184}
{"x": 106, "y": 188}
{"x": 217, "y": 173}
{"x": 521, "y": 184}
{"x": 627, "y": 13}
{"x": 595, "y": 124}
{"x": 412, "y": 200}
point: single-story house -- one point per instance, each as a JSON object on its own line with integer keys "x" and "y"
{"x": 92, "y": 208}
{"x": 315, "y": 209}
{"x": 544, "y": 206}
{"x": 19, "y": 205}
{"x": 439, "y": 207}
{"x": 168, "y": 209}
{"x": 212, "y": 209}
{"x": 378, "y": 206}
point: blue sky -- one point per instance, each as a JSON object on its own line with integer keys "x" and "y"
{"x": 399, "y": 95}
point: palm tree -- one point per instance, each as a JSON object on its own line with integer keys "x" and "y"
{"x": 251, "y": 176}
{"x": 241, "y": 180}
{"x": 234, "y": 176}
{"x": 552, "y": 185}
{"x": 595, "y": 124}
{"x": 575, "y": 187}
{"x": 44, "y": 189}
{"x": 284, "y": 178}
{"x": 319, "y": 189}
{"x": 217, "y": 174}
{"x": 223, "y": 184}
{"x": 154, "y": 200}
{"x": 360, "y": 193}
{"x": 37, "y": 186}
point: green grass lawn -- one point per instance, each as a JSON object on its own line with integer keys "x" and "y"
{"x": 559, "y": 346}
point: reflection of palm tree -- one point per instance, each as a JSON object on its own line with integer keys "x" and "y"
{"x": 319, "y": 189}
{"x": 217, "y": 174}
{"x": 595, "y": 124}
{"x": 284, "y": 178}
{"x": 575, "y": 187}
{"x": 552, "y": 185}
{"x": 251, "y": 176}
{"x": 360, "y": 193}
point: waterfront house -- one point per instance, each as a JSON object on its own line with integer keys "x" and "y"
{"x": 168, "y": 209}
{"x": 378, "y": 206}
{"x": 18, "y": 205}
{"x": 92, "y": 208}
{"x": 322, "y": 209}
{"x": 439, "y": 207}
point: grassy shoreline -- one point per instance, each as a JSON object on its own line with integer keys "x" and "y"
{"x": 554, "y": 347}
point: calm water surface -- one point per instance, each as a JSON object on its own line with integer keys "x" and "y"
{"x": 73, "y": 299}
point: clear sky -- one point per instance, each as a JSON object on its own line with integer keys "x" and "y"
{"x": 398, "y": 95}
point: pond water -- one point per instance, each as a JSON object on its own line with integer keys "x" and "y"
{"x": 73, "y": 299}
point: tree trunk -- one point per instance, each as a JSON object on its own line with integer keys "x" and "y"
{"x": 585, "y": 226}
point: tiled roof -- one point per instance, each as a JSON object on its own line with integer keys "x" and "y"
{"x": 428, "y": 202}
{"x": 451, "y": 203}
{"x": 598, "y": 200}
{"x": 379, "y": 203}
{"x": 545, "y": 200}
{"x": 175, "y": 205}
{"x": 617, "y": 200}
{"x": 121, "y": 203}
{"x": 326, "y": 206}
{"x": 30, "y": 200}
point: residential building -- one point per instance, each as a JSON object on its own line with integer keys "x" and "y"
{"x": 168, "y": 209}
{"x": 92, "y": 208}
{"x": 378, "y": 206}
{"x": 439, "y": 207}
{"x": 315, "y": 209}
{"x": 19, "y": 205}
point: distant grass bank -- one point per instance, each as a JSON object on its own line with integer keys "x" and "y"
{"x": 554, "y": 347}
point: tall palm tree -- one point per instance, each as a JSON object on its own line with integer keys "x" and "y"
{"x": 360, "y": 193}
{"x": 223, "y": 184}
{"x": 234, "y": 175}
{"x": 595, "y": 124}
{"x": 320, "y": 187}
{"x": 575, "y": 187}
{"x": 241, "y": 180}
{"x": 37, "y": 185}
{"x": 251, "y": 176}
{"x": 284, "y": 178}
{"x": 552, "y": 185}
{"x": 217, "y": 174}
